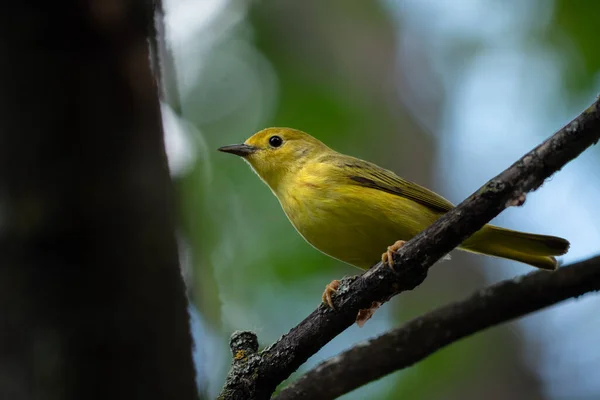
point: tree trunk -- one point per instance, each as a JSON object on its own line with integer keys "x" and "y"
{"x": 92, "y": 303}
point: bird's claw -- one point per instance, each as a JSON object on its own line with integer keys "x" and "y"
{"x": 330, "y": 290}
{"x": 387, "y": 258}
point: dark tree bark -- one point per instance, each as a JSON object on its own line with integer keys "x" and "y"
{"x": 92, "y": 303}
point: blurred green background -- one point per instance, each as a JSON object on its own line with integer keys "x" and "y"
{"x": 446, "y": 93}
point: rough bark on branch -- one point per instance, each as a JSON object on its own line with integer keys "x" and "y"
{"x": 263, "y": 371}
{"x": 424, "y": 335}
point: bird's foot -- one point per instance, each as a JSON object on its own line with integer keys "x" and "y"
{"x": 387, "y": 258}
{"x": 330, "y": 290}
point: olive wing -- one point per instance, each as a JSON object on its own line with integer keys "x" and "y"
{"x": 369, "y": 175}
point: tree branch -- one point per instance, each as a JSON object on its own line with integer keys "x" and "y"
{"x": 424, "y": 335}
{"x": 263, "y": 371}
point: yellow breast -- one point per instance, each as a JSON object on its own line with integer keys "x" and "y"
{"x": 351, "y": 223}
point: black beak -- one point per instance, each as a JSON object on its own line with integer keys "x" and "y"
{"x": 241, "y": 150}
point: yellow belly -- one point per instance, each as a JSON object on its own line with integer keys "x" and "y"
{"x": 354, "y": 224}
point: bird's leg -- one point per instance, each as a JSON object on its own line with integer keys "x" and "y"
{"x": 388, "y": 257}
{"x": 330, "y": 289}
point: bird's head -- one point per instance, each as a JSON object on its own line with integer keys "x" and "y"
{"x": 276, "y": 154}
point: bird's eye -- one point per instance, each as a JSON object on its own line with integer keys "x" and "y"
{"x": 275, "y": 141}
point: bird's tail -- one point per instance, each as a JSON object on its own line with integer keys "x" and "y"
{"x": 528, "y": 248}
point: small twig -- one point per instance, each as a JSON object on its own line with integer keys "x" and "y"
{"x": 424, "y": 335}
{"x": 379, "y": 283}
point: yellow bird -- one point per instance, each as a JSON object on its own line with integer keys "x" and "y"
{"x": 352, "y": 210}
